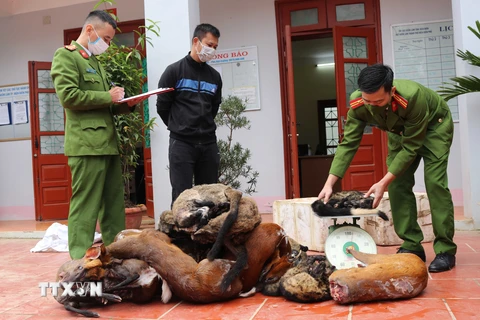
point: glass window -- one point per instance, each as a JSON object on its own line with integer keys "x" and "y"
{"x": 304, "y": 17}
{"x": 51, "y": 113}
{"x": 348, "y": 12}
{"x": 44, "y": 79}
{"x": 355, "y": 47}
{"x": 127, "y": 39}
{"x": 51, "y": 144}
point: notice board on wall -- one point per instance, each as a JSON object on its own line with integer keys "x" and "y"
{"x": 14, "y": 112}
{"x": 425, "y": 52}
{"x": 239, "y": 70}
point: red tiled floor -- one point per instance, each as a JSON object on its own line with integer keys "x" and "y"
{"x": 449, "y": 295}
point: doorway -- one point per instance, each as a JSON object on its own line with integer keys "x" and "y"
{"x": 323, "y": 45}
{"x": 316, "y": 109}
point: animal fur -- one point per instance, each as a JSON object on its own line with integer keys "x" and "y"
{"x": 307, "y": 279}
{"x": 386, "y": 277}
{"x": 298, "y": 253}
{"x": 346, "y": 203}
{"x": 269, "y": 252}
{"x": 212, "y": 213}
{"x": 185, "y": 219}
{"x": 122, "y": 280}
{"x": 308, "y": 282}
{"x": 189, "y": 280}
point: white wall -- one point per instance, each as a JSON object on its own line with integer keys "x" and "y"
{"x": 252, "y": 23}
{"x": 244, "y": 23}
{"x": 408, "y": 11}
{"x": 465, "y": 13}
{"x": 24, "y": 38}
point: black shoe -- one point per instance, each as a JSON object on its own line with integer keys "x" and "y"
{"x": 442, "y": 262}
{"x": 419, "y": 254}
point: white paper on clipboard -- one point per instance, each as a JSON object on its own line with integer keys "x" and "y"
{"x": 147, "y": 94}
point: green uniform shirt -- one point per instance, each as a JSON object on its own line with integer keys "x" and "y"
{"x": 416, "y": 117}
{"x": 82, "y": 89}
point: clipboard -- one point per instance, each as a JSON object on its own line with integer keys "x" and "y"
{"x": 147, "y": 94}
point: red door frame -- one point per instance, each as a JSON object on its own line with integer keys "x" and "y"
{"x": 51, "y": 174}
{"x": 281, "y": 8}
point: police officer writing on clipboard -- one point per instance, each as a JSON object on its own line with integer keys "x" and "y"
{"x": 419, "y": 126}
{"x": 90, "y": 102}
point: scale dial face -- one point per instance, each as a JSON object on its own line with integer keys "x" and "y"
{"x": 343, "y": 237}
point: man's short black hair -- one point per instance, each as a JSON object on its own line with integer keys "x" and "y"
{"x": 97, "y": 16}
{"x": 373, "y": 77}
{"x": 202, "y": 29}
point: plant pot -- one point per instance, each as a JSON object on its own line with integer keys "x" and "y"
{"x": 133, "y": 217}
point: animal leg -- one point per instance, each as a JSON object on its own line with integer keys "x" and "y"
{"x": 367, "y": 258}
{"x": 85, "y": 313}
{"x": 234, "y": 197}
{"x": 109, "y": 297}
{"x": 241, "y": 262}
{"x": 124, "y": 283}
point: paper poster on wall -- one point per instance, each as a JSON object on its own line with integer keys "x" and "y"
{"x": 16, "y": 125}
{"x": 5, "y": 118}
{"x": 239, "y": 70}
{"x": 425, "y": 52}
{"x": 20, "y": 114}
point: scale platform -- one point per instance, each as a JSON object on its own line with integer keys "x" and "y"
{"x": 342, "y": 236}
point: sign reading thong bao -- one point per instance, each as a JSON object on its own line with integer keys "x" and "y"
{"x": 239, "y": 70}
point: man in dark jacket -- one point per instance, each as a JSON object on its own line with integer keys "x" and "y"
{"x": 189, "y": 113}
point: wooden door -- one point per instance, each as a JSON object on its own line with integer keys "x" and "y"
{"x": 51, "y": 173}
{"x": 292, "y": 141}
{"x": 354, "y": 50}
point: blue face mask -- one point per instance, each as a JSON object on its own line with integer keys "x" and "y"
{"x": 98, "y": 46}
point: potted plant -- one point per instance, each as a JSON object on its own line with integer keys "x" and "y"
{"x": 234, "y": 158}
{"x": 124, "y": 66}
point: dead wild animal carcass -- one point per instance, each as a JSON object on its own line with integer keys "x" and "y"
{"x": 306, "y": 280}
{"x": 203, "y": 215}
{"x": 122, "y": 280}
{"x": 386, "y": 277}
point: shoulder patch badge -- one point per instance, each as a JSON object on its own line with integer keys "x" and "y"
{"x": 84, "y": 54}
{"x": 70, "y": 47}
{"x": 399, "y": 101}
{"x": 355, "y": 103}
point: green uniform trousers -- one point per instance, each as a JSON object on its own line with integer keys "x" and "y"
{"x": 97, "y": 193}
{"x": 404, "y": 206}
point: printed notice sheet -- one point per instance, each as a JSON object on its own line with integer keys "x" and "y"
{"x": 239, "y": 70}
{"x": 425, "y": 53}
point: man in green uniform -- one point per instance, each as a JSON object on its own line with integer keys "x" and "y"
{"x": 419, "y": 126}
{"x": 90, "y": 136}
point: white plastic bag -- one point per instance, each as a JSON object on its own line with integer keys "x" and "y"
{"x": 56, "y": 239}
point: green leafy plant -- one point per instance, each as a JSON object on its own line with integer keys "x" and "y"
{"x": 233, "y": 157}
{"x": 466, "y": 84}
{"x": 124, "y": 67}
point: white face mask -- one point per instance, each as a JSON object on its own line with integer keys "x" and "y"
{"x": 206, "y": 53}
{"x": 98, "y": 46}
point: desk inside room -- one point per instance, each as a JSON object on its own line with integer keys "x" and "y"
{"x": 313, "y": 174}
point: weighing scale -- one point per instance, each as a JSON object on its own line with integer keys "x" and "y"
{"x": 342, "y": 236}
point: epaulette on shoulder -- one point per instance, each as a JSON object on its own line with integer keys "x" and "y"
{"x": 355, "y": 103}
{"x": 70, "y": 47}
{"x": 400, "y": 100}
